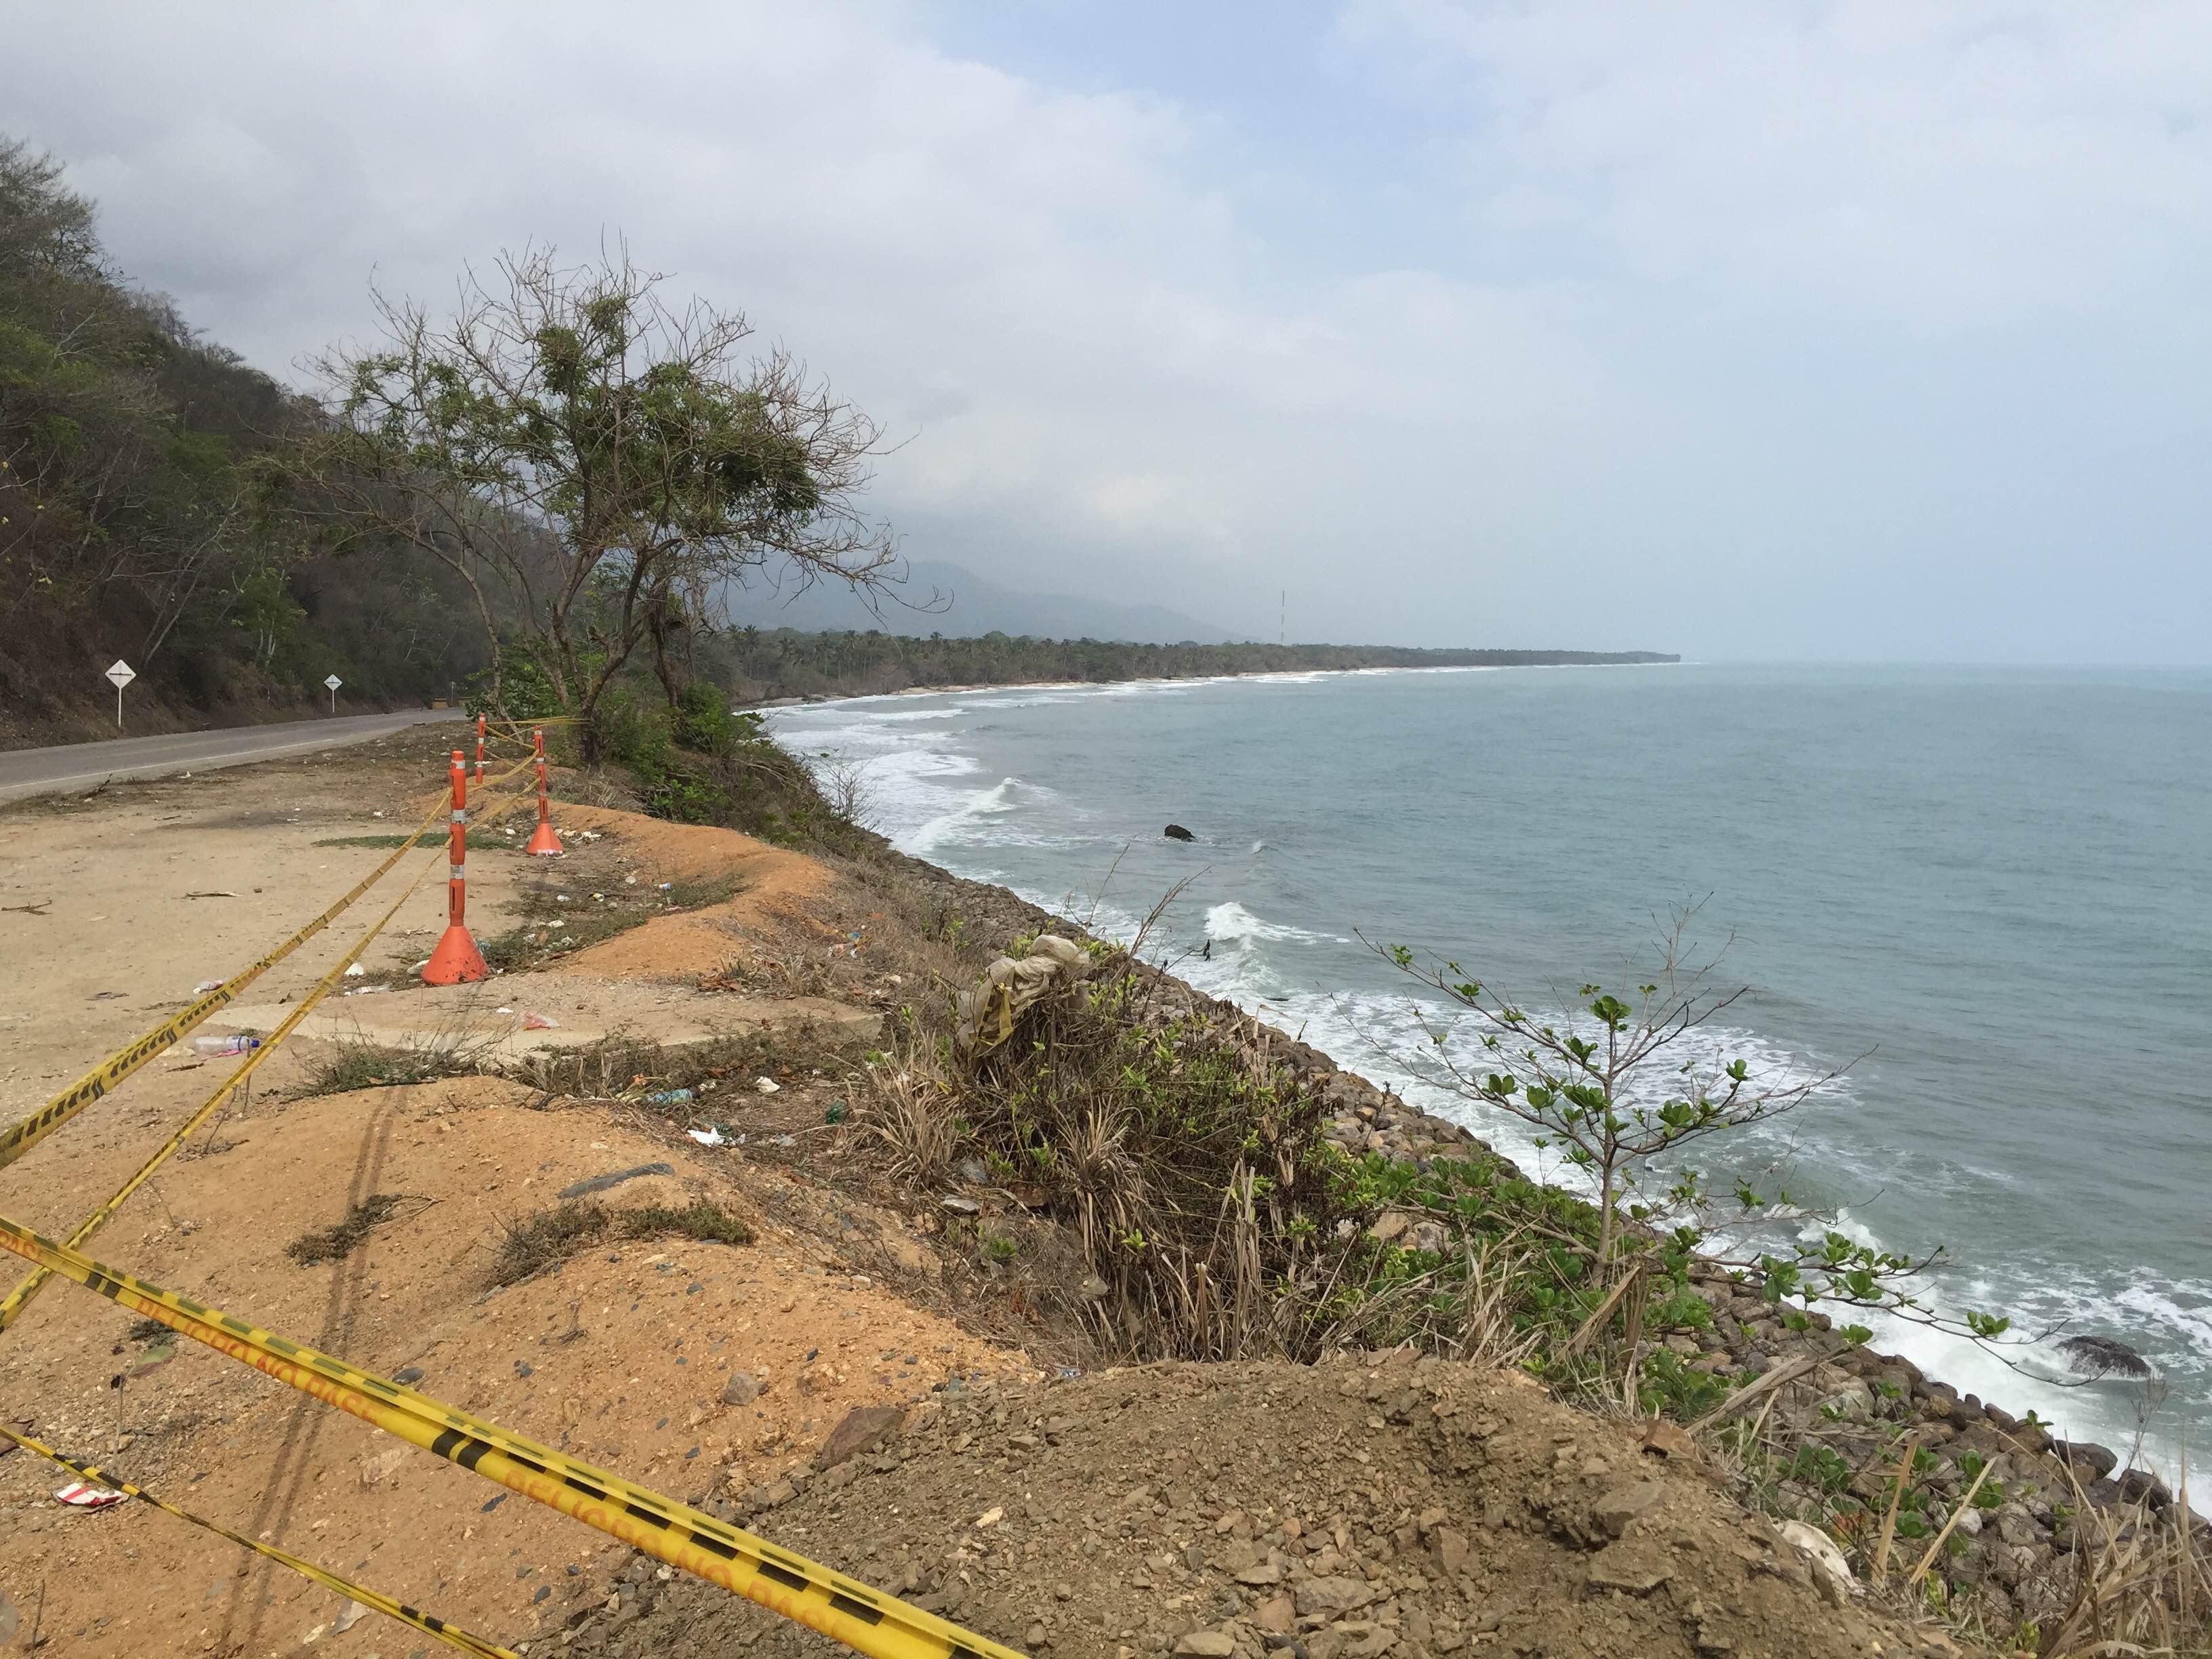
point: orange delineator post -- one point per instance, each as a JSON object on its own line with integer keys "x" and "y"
{"x": 480, "y": 735}
{"x": 544, "y": 843}
{"x": 457, "y": 958}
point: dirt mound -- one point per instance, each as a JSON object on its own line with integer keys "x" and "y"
{"x": 775, "y": 887}
{"x": 624, "y": 1354}
{"x": 1357, "y": 1508}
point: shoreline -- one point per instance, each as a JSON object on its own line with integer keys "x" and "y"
{"x": 1620, "y": 659}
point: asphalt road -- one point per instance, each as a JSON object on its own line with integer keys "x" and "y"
{"x": 83, "y": 765}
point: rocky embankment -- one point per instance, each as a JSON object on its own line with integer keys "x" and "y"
{"x": 1847, "y": 1400}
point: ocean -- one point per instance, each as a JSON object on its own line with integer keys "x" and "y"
{"x": 1986, "y": 892}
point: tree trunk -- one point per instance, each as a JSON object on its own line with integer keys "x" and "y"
{"x": 663, "y": 667}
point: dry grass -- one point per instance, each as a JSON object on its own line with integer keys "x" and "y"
{"x": 2142, "y": 1583}
{"x": 549, "y": 1238}
{"x": 356, "y": 1064}
{"x": 334, "y": 1243}
{"x": 1468, "y": 1310}
{"x": 598, "y": 786}
{"x": 912, "y": 1112}
{"x": 621, "y": 1066}
{"x": 1170, "y": 1139}
{"x": 701, "y": 1219}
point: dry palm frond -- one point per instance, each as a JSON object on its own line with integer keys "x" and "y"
{"x": 911, "y": 1113}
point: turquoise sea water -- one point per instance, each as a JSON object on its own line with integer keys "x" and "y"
{"x": 1991, "y": 891}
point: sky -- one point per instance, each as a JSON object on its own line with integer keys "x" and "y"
{"x": 1787, "y": 332}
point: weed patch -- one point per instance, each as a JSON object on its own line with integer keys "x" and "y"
{"x": 334, "y": 1243}
{"x": 546, "y": 1239}
{"x": 702, "y": 1220}
{"x": 483, "y": 838}
{"x": 367, "y": 1066}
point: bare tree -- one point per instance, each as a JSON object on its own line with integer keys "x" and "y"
{"x": 845, "y": 784}
{"x": 600, "y": 462}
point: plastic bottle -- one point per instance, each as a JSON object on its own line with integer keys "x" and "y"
{"x": 226, "y": 1045}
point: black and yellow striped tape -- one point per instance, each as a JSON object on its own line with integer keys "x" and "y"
{"x": 19, "y": 1137}
{"x": 453, "y": 1635}
{"x": 867, "y": 1621}
{"x": 12, "y": 1306}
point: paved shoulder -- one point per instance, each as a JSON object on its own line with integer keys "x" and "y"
{"x": 80, "y": 765}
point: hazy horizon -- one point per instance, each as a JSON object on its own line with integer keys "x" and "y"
{"x": 1812, "y": 334}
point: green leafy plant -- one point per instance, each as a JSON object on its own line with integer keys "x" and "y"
{"x": 1618, "y": 1089}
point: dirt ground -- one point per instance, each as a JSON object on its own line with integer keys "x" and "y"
{"x": 1373, "y": 1504}
{"x": 1441, "y": 1510}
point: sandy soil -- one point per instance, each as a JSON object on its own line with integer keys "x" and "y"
{"x": 658, "y": 1326}
{"x": 118, "y": 940}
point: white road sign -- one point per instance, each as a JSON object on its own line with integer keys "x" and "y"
{"x": 334, "y": 682}
{"x": 119, "y": 676}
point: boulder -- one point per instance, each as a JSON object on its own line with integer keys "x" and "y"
{"x": 1332, "y": 1595}
{"x": 1618, "y": 1508}
{"x": 1390, "y": 1226}
{"x": 1176, "y": 832}
{"x": 1635, "y": 1568}
{"x": 1828, "y": 1562}
{"x": 2141, "y": 1486}
{"x": 865, "y": 1428}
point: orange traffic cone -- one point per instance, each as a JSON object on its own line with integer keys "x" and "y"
{"x": 544, "y": 843}
{"x": 457, "y": 958}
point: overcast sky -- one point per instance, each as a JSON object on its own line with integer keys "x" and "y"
{"x": 1786, "y": 331}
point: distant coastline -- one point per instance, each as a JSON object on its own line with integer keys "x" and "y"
{"x": 786, "y": 667}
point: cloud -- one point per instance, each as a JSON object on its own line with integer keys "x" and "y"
{"x": 1694, "y": 326}
{"x": 1954, "y": 165}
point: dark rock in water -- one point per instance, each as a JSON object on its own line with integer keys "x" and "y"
{"x": 2101, "y": 1355}
{"x": 1176, "y": 832}
{"x": 2141, "y": 1485}
{"x": 2100, "y": 1461}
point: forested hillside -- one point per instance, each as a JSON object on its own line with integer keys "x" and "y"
{"x": 137, "y": 522}
{"x": 758, "y": 665}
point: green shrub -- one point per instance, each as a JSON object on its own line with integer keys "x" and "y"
{"x": 703, "y": 723}
{"x": 525, "y": 691}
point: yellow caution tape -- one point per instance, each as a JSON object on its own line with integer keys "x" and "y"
{"x": 18, "y": 1139}
{"x": 864, "y": 1619}
{"x": 451, "y": 1634}
{"x": 11, "y": 1309}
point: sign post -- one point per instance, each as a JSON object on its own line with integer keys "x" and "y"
{"x": 334, "y": 682}
{"x": 121, "y": 676}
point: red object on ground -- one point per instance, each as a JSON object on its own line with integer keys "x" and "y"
{"x": 457, "y": 958}
{"x": 544, "y": 843}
